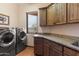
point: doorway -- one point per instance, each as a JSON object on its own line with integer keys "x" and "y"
{"x": 32, "y": 26}
{"x": 32, "y": 22}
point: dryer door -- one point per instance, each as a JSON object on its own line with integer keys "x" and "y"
{"x": 22, "y": 35}
{"x": 6, "y": 39}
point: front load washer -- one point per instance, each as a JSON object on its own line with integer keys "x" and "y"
{"x": 20, "y": 40}
{"x": 7, "y": 42}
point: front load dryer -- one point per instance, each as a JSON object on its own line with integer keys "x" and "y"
{"x": 7, "y": 42}
{"x": 20, "y": 40}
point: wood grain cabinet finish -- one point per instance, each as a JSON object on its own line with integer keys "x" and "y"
{"x": 54, "y": 52}
{"x": 70, "y": 52}
{"x": 45, "y": 47}
{"x": 51, "y": 14}
{"x": 38, "y": 46}
{"x": 60, "y": 13}
{"x": 42, "y": 16}
{"x": 73, "y": 12}
{"x": 52, "y": 49}
{"x": 55, "y": 49}
{"x": 56, "y": 14}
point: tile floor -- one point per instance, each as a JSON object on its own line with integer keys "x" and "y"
{"x": 29, "y": 51}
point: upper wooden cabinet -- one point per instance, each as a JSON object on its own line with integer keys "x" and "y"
{"x": 60, "y": 13}
{"x": 42, "y": 16}
{"x": 56, "y": 14}
{"x": 73, "y": 12}
{"x": 51, "y": 14}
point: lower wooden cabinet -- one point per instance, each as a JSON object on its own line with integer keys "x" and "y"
{"x": 46, "y": 50}
{"x": 54, "y": 52}
{"x": 70, "y": 52}
{"x": 55, "y": 49}
{"x": 45, "y": 47}
{"x": 38, "y": 46}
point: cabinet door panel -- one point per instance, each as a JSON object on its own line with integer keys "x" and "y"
{"x": 38, "y": 50}
{"x": 56, "y": 14}
{"x": 56, "y": 46}
{"x": 60, "y": 13}
{"x": 51, "y": 52}
{"x": 51, "y": 14}
{"x": 54, "y": 52}
{"x": 77, "y": 54}
{"x": 46, "y": 50}
{"x": 42, "y": 16}
{"x": 55, "y": 49}
{"x": 46, "y": 47}
{"x": 38, "y": 46}
{"x": 57, "y": 53}
{"x": 69, "y": 52}
{"x": 73, "y": 12}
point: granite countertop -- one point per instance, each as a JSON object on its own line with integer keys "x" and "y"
{"x": 61, "y": 39}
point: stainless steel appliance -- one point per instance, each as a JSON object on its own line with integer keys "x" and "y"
{"x": 20, "y": 40}
{"x": 7, "y": 41}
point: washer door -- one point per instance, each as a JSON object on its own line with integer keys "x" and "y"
{"x": 6, "y": 39}
{"x": 22, "y": 35}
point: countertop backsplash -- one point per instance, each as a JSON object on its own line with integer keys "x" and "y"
{"x": 67, "y": 31}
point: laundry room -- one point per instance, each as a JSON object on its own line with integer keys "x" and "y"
{"x": 39, "y": 29}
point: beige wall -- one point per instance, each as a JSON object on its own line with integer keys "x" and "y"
{"x": 68, "y": 29}
{"x": 12, "y": 11}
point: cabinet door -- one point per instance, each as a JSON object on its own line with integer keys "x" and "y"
{"x": 38, "y": 46}
{"x": 77, "y": 54}
{"x": 51, "y": 52}
{"x": 54, "y": 52}
{"x": 73, "y": 12}
{"x": 57, "y": 53}
{"x": 69, "y": 52}
{"x": 46, "y": 47}
{"x": 60, "y": 13}
{"x": 42, "y": 16}
{"x": 55, "y": 49}
{"x": 51, "y": 14}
